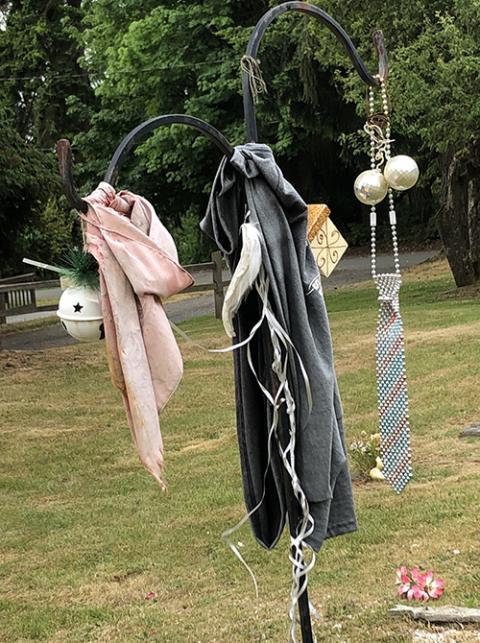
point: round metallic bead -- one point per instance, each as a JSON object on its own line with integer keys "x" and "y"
{"x": 401, "y": 172}
{"x": 370, "y": 187}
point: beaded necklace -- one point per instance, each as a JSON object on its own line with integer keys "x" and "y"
{"x": 371, "y": 187}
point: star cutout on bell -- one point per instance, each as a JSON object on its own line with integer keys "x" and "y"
{"x": 77, "y": 307}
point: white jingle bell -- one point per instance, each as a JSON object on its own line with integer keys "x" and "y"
{"x": 401, "y": 172}
{"x": 80, "y": 312}
{"x": 370, "y": 187}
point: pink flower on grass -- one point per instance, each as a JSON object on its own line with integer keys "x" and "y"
{"x": 415, "y": 593}
{"x": 403, "y": 589}
{"x": 418, "y": 577}
{"x": 151, "y": 596}
{"x": 434, "y": 586}
{"x": 415, "y": 585}
{"x": 403, "y": 580}
{"x": 402, "y": 575}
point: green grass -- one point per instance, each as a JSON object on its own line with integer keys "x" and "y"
{"x": 86, "y": 533}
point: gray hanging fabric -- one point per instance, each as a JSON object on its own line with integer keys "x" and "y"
{"x": 252, "y": 182}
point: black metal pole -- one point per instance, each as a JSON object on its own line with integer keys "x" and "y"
{"x": 65, "y": 165}
{"x": 145, "y": 128}
{"x": 293, "y": 522}
{"x": 66, "y": 170}
{"x": 65, "y": 159}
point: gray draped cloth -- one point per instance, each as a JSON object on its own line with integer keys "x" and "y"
{"x": 252, "y": 182}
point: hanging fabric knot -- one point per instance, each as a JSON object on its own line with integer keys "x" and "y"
{"x": 251, "y": 67}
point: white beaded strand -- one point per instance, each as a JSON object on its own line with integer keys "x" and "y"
{"x": 374, "y": 154}
{"x": 373, "y": 209}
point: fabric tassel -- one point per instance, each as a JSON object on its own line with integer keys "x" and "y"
{"x": 245, "y": 274}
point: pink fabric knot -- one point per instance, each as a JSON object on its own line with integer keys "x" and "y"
{"x": 106, "y": 196}
{"x": 138, "y": 264}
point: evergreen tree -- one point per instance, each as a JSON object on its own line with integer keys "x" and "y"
{"x": 39, "y": 52}
{"x": 95, "y": 69}
{"x": 158, "y": 57}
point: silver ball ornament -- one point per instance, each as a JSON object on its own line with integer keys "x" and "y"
{"x": 370, "y": 187}
{"x": 401, "y": 172}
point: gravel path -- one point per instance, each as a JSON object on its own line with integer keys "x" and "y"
{"x": 350, "y": 270}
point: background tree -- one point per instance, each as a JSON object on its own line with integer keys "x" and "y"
{"x": 23, "y": 178}
{"x": 151, "y": 67}
{"x": 434, "y": 50}
{"x": 100, "y": 67}
{"x": 311, "y": 115}
{"x": 39, "y": 70}
{"x": 156, "y": 58}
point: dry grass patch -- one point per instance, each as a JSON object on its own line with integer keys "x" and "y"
{"x": 86, "y": 533}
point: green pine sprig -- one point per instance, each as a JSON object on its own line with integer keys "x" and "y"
{"x": 81, "y": 268}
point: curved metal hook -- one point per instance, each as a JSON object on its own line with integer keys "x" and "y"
{"x": 338, "y": 31}
{"x": 379, "y": 44}
{"x": 65, "y": 159}
{"x": 65, "y": 163}
{"x": 158, "y": 121}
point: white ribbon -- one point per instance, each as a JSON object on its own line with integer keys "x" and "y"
{"x": 283, "y": 395}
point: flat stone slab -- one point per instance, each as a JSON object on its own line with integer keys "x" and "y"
{"x": 446, "y": 636}
{"x": 446, "y": 614}
{"x": 471, "y": 432}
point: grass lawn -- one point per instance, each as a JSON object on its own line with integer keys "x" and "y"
{"x": 86, "y": 533}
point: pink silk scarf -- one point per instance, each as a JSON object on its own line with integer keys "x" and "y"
{"x": 139, "y": 267}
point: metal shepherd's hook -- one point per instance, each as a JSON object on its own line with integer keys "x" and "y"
{"x": 253, "y": 84}
{"x": 250, "y": 89}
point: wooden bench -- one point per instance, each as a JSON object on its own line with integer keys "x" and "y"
{"x": 17, "y": 294}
